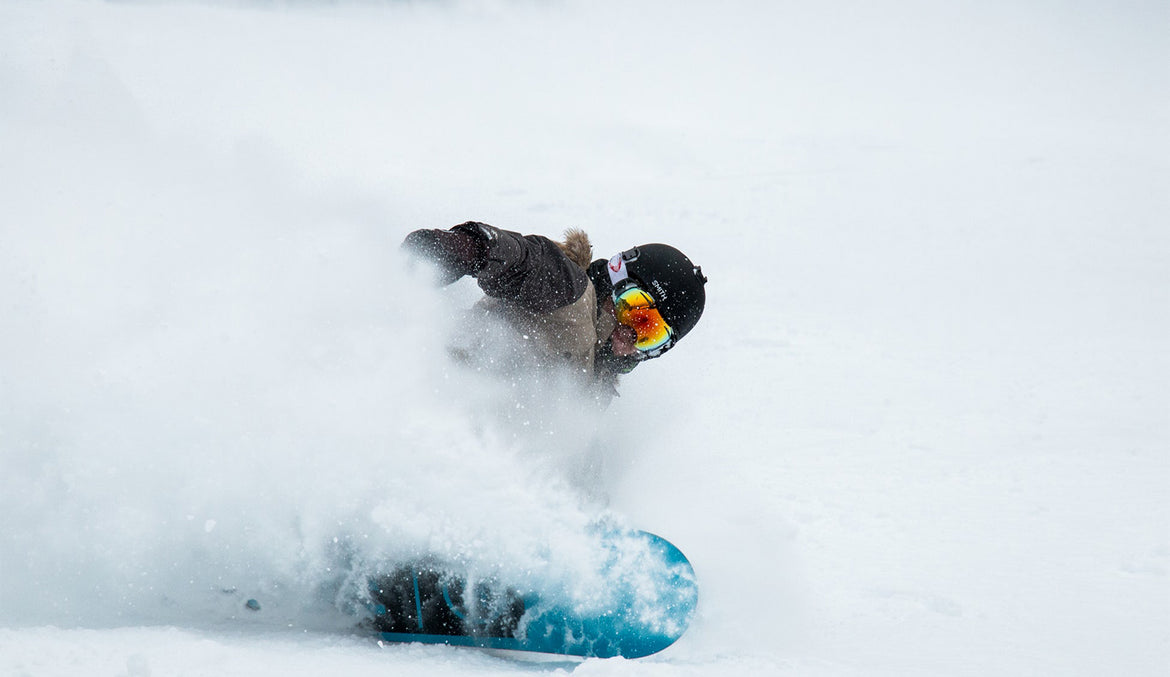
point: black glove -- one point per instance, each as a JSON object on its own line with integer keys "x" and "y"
{"x": 457, "y": 252}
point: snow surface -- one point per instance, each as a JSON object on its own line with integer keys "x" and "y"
{"x": 923, "y": 428}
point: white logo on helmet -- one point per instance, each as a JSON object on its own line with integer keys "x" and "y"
{"x": 661, "y": 290}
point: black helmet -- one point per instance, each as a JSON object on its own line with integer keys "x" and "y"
{"x": 672, "y": 279}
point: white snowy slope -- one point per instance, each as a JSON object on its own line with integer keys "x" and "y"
{"x": 922, "y": 429}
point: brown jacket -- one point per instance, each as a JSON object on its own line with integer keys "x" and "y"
{"x": 540, "y": 288}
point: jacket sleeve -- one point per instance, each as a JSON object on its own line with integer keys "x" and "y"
{"x": 529, "y": 271}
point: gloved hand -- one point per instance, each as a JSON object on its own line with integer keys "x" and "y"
{"x": 457, "y": 252}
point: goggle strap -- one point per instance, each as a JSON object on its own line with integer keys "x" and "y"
{"x": 617, "y": 270}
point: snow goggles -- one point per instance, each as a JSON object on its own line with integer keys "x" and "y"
{"x": 634, "y": 307}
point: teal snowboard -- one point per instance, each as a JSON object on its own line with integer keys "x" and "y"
{"x": 641, "y": 602}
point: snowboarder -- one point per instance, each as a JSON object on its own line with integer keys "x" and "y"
{"x": 600, "y": 318}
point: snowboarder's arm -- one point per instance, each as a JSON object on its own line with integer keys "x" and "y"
{"x": 529, "y": 271}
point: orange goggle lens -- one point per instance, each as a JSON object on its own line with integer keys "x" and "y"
{"x": 635, "y": 309}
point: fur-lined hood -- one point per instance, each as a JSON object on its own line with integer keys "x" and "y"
{"x": 577, "y": 247}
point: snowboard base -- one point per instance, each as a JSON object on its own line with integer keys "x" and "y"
{"x": 649, "y": 598}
